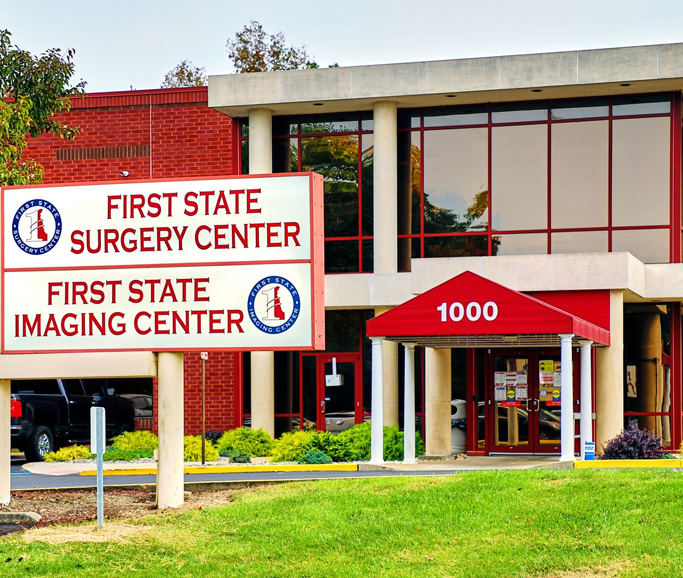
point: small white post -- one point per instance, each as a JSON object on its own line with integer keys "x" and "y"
{"x": 170, "y": 469}
{"x": 5, "y": 441}
{"x": 586, "y": 423}
{"x": 377, "y": 405}
{"x": 567, "y": 399}
{"x": 98, "y": 422}
{"x": 409, "y": 405}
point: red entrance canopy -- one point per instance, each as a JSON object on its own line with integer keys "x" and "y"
{"x": 471, "y": 311}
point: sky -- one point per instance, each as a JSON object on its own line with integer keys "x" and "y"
{"x": 132, "y": 44}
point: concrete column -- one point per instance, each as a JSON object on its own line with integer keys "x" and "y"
{"x": 567, "y": 399}
{"x": 376, "y": 405}
{"x": 262, "y": 362}
{"x": 170, "y": 470}
{"x": 5, "y": 441}
{"x": 409, "y": 405}
{"x": 385, "y": 187}
{"x": 586, "y": 423}
{"x": 609, "y": 380}
{"x": 648, "y": 356}
{"x": 389, "y": 376}
{"x": 438, "y": 402}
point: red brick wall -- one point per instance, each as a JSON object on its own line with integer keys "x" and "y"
{"x": 161, "y": 134}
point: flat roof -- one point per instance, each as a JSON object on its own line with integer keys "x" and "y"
{"x": 579, "y": 73}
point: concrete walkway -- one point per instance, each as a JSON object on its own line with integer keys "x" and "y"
{"x": 262, "y": 465}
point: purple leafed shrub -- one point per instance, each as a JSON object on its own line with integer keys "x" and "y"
{"x": 633, "y": 444}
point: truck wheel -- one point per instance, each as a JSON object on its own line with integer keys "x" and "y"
{"x": 39, "y": 443}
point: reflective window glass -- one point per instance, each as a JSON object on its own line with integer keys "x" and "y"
{"x": 579, "y": 174}
{"x": 640, "y": 171}
{"x": 366, "y": 121}
{"x": 367, "y": 156}
{"x": 460, "y": 246}
{"x": 464, "y": 115}
{"x": 574, "y": 109}
{"x": 579, "y": 242}
{"x": 641, "y": 104}
{"x": 648, "y": 245}
{"x": 524, "y": 244}
{"x": 455, "y": 180}
{"x": 327, "y": 123}
{"x": 341, "y": 257}
{"x": 519, "y": 177}
{"x": 530, "y": 112}
{"x": 408, "y": 119}
{"x": 285, "y": 155}
{"x": 284, "y": 125}
{"x": 336, "y": 158}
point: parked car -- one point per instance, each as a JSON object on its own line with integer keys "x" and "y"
{"x": 49, "y": 413}
{"x": 144, "y": 405}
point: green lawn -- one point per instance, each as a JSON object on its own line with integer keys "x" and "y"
{"x": 568, "y": 524}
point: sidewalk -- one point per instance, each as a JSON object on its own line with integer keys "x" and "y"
{"x": 89, "y": 468}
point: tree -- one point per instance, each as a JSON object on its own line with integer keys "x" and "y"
{"x": 185, "y": 74}
{"x": 254, "y": 50}
{"x": 32, "y": 90}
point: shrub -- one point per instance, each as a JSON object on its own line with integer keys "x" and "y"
{"x": 69, "y": 454}
{"x": 359, "y": 435}
{"x": 136, "y": 441}
{"x": 339, "y": 450}
{"x": 213, "y": 435}
{"x": 238, "y": 457}
{"x": 114, "y": 454}
{"x": 633, "y": 444}
{"x": 253, "y": 442}
{"x": 315, "y": 457}
{"x": 289, "y": 447}
{"x": 193, "y": 450}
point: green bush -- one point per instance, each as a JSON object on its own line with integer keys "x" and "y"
{"x": 142, "y": 440}
{"x": 69, "y": 454}
{"x": 337, "y": 449}
{"x": 253, "y": 442}
{"x": 289, "y": 447}
{"x": 315, "y": 457}
{"x": 238, "y": 457}
{"x": 114, "y": 454}
{"x": 193, "y": 450}
{"x": 358, "y": 438}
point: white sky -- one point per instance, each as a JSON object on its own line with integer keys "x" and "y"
{"x": 133, "y": 43}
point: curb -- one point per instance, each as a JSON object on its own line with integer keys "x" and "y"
{"x": 620, "y": 464}
{"x": 19, "y": 518}
{"x": 230, "y": 469}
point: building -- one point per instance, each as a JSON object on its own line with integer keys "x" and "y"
{"x": 555, "y": 176}
{"x": 153, "y": 134}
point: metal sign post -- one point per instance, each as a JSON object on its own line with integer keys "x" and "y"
{"x": 204, "y": 355}
{"x": 97, "y": 436}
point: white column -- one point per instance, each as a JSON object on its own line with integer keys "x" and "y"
{"x": 385, "y": 187}
{"x": 5, "y": 441}
{"x": 409, "y": 405}
{"x": 262, "y": 362}
{"x": 170, "y": 470}
{"x": 438, "y": 440}
{"x": 586, "y": 423}
{"x": 567, "y": 397}
{"x": 377, "y": 405}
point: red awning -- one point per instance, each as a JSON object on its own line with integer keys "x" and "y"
{"x": 471, "y": 311}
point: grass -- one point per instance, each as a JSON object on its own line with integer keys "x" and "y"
{"x": 568, "y": 524}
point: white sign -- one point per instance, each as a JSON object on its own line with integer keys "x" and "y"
{"x": 232, "y": 263}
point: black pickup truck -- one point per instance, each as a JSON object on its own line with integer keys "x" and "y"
{"x": 49, "y": 413}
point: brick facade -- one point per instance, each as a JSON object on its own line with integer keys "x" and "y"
{"x": 160, "y": 134}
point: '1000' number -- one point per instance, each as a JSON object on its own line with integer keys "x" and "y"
{"x": 456, "y": 311}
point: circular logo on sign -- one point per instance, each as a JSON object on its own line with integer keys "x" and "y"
{"x": 36, "y": 227}
{"x": 273, "y": 305}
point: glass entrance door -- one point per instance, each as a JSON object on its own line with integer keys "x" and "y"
{"x": 339, "y": 392}
{"x": 523, "y": 409}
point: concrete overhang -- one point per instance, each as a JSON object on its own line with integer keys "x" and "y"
{"x": 640, "y": 282}
{"x": 582, "y": 73}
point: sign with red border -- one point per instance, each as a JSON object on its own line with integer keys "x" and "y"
{"x": 232, "y": 263}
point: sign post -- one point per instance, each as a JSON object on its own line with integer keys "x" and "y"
{"x": 204, "y": 355}
{"x": 97, "y": 436}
